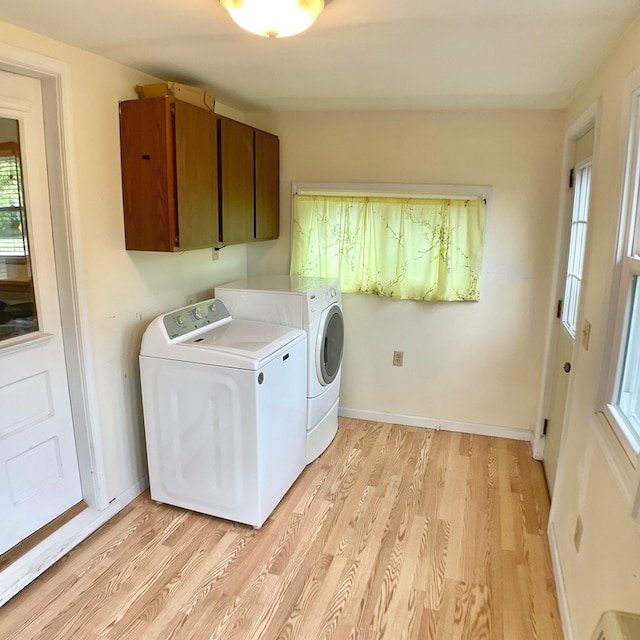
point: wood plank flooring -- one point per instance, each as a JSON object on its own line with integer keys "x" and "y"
{"x": 393, "y": 533}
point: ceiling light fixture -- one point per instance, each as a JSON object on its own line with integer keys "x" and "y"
{"x": 274, "y": 18}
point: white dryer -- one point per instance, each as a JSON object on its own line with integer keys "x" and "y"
{"x": 224, "y": 411}
{"x": 312, "y": 304}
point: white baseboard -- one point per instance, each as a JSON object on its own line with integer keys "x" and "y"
{"x": 563, "y": 603}
{"x": 445, "y": 425}
{"x": 36, "y": 561}
{"x": 132, "y": 492}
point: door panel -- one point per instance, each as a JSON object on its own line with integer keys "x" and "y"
{"x": 267, "y": 162}
{"x": 563, "y": 354}
{"x": 235, "y": 165}
{"x": 39, "y": 477}
{"x": 196, "y": 176}
{"x": 568, "y": 315}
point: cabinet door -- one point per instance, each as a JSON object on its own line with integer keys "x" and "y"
{"x": 148, "y": 174}
{"x": 196, "y": 176}
{"x": 267, "y": 184}
{"x": 235, "y": 159}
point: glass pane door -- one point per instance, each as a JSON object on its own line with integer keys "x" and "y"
{"x": 17, "y": 301}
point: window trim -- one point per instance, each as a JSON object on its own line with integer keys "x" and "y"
{"x": 623, "y": 292}
{"x": 392, "y": 190}
{"x": 620, "y": 454}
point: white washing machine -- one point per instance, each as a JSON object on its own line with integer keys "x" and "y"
{"x": 224, "y": 411}
{"x": 312, "y": 304}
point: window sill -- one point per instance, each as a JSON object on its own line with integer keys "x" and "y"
{"x": 27, "y": 341}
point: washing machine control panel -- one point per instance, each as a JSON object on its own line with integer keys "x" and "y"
{"x": 183, "y": 321}
{"x": 329, "y": 295}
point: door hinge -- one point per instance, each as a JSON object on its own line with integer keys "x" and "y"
{"x": 571, "y": 179}
{"x": 545, "y": 425}
{"x": 559, "y": 308}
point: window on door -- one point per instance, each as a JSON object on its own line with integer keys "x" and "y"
{"x": 577, "y": 242}
{"x": 17, "y": 300}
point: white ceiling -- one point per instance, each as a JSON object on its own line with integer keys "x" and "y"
{"x": 360, "y": 54}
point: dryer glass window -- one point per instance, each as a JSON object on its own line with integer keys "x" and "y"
{"x": 332, "y": 345}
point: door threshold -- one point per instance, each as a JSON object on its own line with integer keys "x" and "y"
{"x": 37, "y": 560}
{"x": 19, "y": 550}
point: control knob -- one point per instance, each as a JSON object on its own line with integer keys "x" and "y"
{"x": 199, "y": 312}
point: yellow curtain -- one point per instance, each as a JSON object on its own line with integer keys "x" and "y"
{"x": 408, "y": 248}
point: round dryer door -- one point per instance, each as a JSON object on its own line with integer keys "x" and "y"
{"x": 330, "y": 344}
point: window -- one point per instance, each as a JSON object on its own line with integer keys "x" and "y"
{"x": 622, "y": 398}
{"x": 577, "y": 241}
{"x": 626, "y": 406}
{"x": 17, "y": 300}
{"x": 12, "y": 238}
{"x": 406, "y": 246}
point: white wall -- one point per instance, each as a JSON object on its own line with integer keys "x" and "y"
{"x": 124, "y": 290}
{"x": 465, "y": 362}
{"x": 605, "y": 573}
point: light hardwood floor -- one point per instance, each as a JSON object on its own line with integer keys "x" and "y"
{"x": 394, "y": 532}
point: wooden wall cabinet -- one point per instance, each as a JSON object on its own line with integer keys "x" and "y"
{"x": 169, "y": 175}
{"x": 192, "y": 179}
{"x": 267, "y": 184}
{"x": 249, "y": 170}
{"x": 235, "y": 168}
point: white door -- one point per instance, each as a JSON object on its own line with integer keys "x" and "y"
{"x": 561, "y": 373}
{"x": 568, "y": 305}
{"x": 39, "y": 477}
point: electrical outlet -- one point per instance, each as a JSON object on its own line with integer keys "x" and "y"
{"x": 577, "y": 534}
{"x": 398, "y": 358}
{"x": 586, "y": 332}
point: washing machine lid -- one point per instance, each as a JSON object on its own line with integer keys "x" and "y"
{"x": 242, "y": 344}
{"x": 206, "y": 333}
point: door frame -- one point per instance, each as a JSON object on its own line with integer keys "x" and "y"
{"x": 55, "y": 78}
{"x": 56, "y": 82}
{"x": 588, "y": 119}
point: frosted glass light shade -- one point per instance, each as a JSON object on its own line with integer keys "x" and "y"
{"x": 274, "y": 18}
